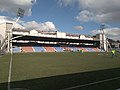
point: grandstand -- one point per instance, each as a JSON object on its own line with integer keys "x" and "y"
{"x": 46, "y": 41}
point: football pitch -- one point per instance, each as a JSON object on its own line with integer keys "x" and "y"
{"x": 60, "y": 71}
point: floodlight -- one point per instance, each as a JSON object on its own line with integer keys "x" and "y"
{"x": 20, "y": 12}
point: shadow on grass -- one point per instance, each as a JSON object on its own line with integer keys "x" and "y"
{"x": 70, "y": 80}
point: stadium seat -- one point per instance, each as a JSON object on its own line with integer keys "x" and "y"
{"x": 49, "y": 49}
{"x": 96, "y": 49}
{"x": 58, "y": 49}
{"x": 67, "y": 49}
{"x": 27, "y": 49}
{"x": 38, "y": 49}
{"x": 16, "y": 49}
{"x": 90, "y": 49}
{"x": 84, "y": 49}
{"x": 74, "y": 49}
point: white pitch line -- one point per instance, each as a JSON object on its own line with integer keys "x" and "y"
{"x": 10, "y": 70}
{"x": 97, "y": 82}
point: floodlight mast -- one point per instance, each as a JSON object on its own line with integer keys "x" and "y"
{"x": 20, "y": 14}
{"x": 102, "y": 27}
{"x": 105, "y": 42}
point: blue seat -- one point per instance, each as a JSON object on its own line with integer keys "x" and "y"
{"x": 74, "y": 49}
{"x": 90, "y": 50}
{"x": 38, "y": 49}
{"x": 16, "y": 49}
{"x": 59, "y": 49}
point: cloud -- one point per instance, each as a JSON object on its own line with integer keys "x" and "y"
{"x": 78, "y": 27}
{"x": 4, "y": 19}
{"x": 65, "y": 2}
{"x": 99, "y": 11}
{"x": 85, "y": 16}
{"x": 113, "y": 33}
{"x": 11, "y": 6}
{"x": 46, "y": 26}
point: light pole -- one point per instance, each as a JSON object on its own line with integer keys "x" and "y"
{"x": 20, "y": 14}
{"x": 103, "y": 41}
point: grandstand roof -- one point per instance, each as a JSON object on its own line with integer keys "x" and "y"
{"x": 20, "y": 30}
{"x": 51, "y": 39}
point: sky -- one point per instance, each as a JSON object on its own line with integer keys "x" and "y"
{"x": 70, "y": 16}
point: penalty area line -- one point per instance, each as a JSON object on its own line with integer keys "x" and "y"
{"x": 88, "y": 84}
{"x": 10, "y": 70}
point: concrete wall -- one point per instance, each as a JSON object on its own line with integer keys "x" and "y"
{"x": 34, "y": 32}
{"x": 3, "y": 30}
{"x": 1, "y": 39}
{"x": 61, "y": 34}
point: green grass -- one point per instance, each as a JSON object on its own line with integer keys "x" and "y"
{"x": 29, "y": 70}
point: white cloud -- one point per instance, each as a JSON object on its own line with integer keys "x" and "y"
{"x": 4, "y": 19}
{"x": 101, "y": 10}
{"x": 113, "y": 33}
{"x": 84, "y": 16}
{"x": 46, "y": 26}
{"x": 78, "y": 27}
{"x": 11, "y": 6}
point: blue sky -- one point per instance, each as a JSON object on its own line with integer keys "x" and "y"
{"x": 63, "y": 17}
{"x": 71, "y": 16}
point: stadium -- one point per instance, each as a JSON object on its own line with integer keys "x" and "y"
{"x": 48, "y": 41}
{"x": 51, "y": 60}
